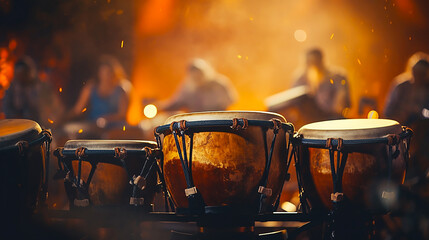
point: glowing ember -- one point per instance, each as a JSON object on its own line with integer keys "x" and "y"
{"x": 239, "y": 56}
{"x": 80, "y": 130}
{"x": 84, "y": 110}
{"x": 331, "y": 81}
{"x": 345, "y": 112}
{"x": 373, "y": 114}
{"x": 343, "y": 82}
{"x": 50, "y": 121}
{"x": 332, "y": 36}
{"x": 122, "y": 44}
{"x": 251, "y": 18}
{"x": 123, "y": 128}
{"x": 409, "y": 38}
{"x": 12, "y": 44}
{"x": 60, "y": 89}
{"x": 300, "y": 35}
{"x": 150, "y": 111}
{"x": 358, "y": 60}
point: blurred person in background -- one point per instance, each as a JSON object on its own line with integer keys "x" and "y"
{"x": 29, "y": 98}
{"x": 328, "y": 86}
{"x": 104, "y": 100}
{"x": 409, "y": 94}
{"x": 203, "y": 89}
{"x": 6, "y": 75}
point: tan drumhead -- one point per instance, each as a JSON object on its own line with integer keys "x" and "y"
{"x": 350, "y": 129}
{"x": 225, "y": 115}
{"x": 108, "y": 144}
{"x": 14, "y": 130}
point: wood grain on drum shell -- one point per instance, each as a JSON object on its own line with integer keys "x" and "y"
{"x": 366, "y": 167}
{"x": 110, "y": 183}
{"x": 226, "y": 166}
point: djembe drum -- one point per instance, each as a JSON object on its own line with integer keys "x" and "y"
{"x": 108, "y": 173}
{"x": 24, "y": 151}
{"x": 353, "y": 164}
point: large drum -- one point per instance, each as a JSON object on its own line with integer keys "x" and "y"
{"x": 358, "y": 161}
{"x": 109, "y": 172}
{"x": 225, "y": 162}
{"x": 24, "y": 154}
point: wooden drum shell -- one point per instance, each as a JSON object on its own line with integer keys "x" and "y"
{"x": 365, "y": 171}
{"x": 227, "y": 166}
{"x": 110, "y": 185}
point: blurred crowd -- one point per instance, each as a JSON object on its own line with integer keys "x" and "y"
{"x": 27, "y": 91}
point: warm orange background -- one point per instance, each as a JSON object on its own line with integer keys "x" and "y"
{"x": 252, "y": 42}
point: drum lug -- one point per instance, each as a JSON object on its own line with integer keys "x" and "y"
{"x": 136, "y": 201}
{"x": 337, "y": 197}
{"x": 265, "y": 191}
{"x": 139, "y": 181}
{"x": 81, "y": 202}
{"x": 190, "y": 191}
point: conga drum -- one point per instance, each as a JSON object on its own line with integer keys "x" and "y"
{"x": 109, "y": 173}
{"x": 24, "y": 154}
{"x": 226, "y": 162}
{"x": 354, "y": 161}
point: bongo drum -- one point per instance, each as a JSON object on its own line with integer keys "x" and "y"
{"x": 224, "y": 162}
{"x": 358, "y": 161}
{"x": 24, "y": 151}
{"x": 109, "y": 172}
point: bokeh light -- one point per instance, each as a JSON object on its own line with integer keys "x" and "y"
{"x": 150, "y": 111}
{"x": 288, "y": 206}
{"x": 300, "y": 35}
{"x": 373, "y": 114}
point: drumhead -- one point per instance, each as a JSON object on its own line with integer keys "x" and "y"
{"x": 225, "y": 115}
{"x": 14, "y": 130}
{"x": 350, "y": 129}
{"x": 108, "y": 144}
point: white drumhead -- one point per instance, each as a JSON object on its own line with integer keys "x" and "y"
{"x": 350, "y": 129}
{"x": 14, "y": 130}
{"x": 225, "y": 115}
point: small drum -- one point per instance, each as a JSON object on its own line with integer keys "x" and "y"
{"x": 358, "y": 161}
{"x": 24, "y": 151}
{"x": 225, "y": 162}
{"x": 109, "y": 172}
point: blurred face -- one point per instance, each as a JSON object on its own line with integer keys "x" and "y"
{"x": 105, "y": 74}
{"x": 22, "y": 75}
{"x": 421, "y": 74}
{"x": 314, "y": 60}
{"x": 196, "y": 75}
